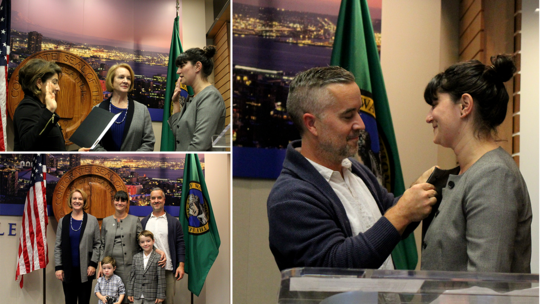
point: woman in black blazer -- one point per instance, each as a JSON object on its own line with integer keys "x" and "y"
{"x": 76, "y": 251}
{"x": 35, "y": 120}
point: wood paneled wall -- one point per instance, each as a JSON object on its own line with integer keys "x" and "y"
{"x": 222, "y": 64}
{"x": 487, "y": 28}
{"x": 517, "y": 81}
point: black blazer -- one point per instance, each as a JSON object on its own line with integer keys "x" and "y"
{"x": 36, "y": 128}
{"x": 88, "y": 246}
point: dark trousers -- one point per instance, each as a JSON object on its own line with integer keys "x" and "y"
{"x": 75, "y": 290}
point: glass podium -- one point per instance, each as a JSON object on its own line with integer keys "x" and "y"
{"x": 223, "y": 140}
{"x": 332, "y": 286}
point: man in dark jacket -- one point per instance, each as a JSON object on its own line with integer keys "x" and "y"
{"x": 326, "y": 209}
{"x": 169, "y": 238}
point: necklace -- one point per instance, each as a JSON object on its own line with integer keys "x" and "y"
{"x": 125, "y": 113}
{"x": 71, "y": 223}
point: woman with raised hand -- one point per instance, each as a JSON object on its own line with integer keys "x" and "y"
{"x": 35, "y": 120}
{"x": 203, "y": 114}
{"x": 484, "y": 220}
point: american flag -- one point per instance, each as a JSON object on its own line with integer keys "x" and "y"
{"x": 33, "y": 253}
{"x": 5, "y": 32}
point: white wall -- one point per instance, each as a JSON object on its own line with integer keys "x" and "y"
{"x": 529, "y": 114}
{"x": 256, "y": 275}
{"x": 410, "y": 57}
{"x": 218, "y": 281}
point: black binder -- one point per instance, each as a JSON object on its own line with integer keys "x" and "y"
{"x": 92, "y": 129}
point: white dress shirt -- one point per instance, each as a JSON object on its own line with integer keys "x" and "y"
{"x": 159, "y": 227}
{"x": 360, "y": 206}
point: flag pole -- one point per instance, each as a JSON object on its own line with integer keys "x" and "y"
{"x": 44, "y": 287}
{"x": 192, "y": 298}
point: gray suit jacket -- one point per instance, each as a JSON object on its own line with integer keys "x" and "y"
{"x": 131, "y": 228}
{"x": 201, "y": 117}
{"x": 149, "y": 282}
{"x": 484, "y": 220}
{"x": 138, "y": 135}
{"x": 88, "y": 246}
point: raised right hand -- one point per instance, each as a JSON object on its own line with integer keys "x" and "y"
{"x": 50, "y": 97}
{"x": 176, "y": 94}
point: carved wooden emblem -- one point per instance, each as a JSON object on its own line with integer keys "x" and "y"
{"x": 100, "y": 184}
{"x": 80, "y": 89}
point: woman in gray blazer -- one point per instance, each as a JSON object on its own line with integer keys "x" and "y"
{"x": 202, "y": 115}
{"x": 119, "y": 238}
{"x": 483, "y": 222}
{"x": 76, "y": 251}
{"x": 132, "y": 131}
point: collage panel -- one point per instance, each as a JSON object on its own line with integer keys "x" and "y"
{"x": 115, "y": 134}
{"x": 342, "y": 109}
{"x": 111, "y": 200}
{"x": 117, "y": 76}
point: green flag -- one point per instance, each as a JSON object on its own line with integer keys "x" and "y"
{"x": 167, "y": 138}
{"x": 198, "y": 223}
{"x": 355, "y": 50}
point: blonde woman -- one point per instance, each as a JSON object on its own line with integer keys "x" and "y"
{"x": 132, "y": 130}
{"x": 76, "y": 251}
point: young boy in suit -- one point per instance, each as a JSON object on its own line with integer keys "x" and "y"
{"x": 147, "y": 278}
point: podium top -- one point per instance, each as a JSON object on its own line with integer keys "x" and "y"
{"x": 331, "y": 285}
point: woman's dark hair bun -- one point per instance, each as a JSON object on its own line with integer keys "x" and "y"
{"x": 502, "y": 70}
{"x": 209, "y": 51}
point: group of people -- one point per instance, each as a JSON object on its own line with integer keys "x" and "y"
{"x": 134, "y": 261}
{"x": 328, "y": 210}
{"x": 193, "y": 121}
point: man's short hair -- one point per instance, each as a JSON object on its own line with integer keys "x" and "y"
{"x": 306, "y": 94}
{"x": 157, "y": 189}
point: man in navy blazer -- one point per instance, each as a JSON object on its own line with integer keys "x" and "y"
{"x": 169, "y": 238}
{"x": 326, "y": 209}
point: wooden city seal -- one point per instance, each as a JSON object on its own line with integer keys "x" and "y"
{"x": 80, "y": 89}
{"x": 100, "y": 184}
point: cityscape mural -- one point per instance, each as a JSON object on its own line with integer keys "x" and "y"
{"x": 133, "y": 34}
{"x": 272, "y": 42}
